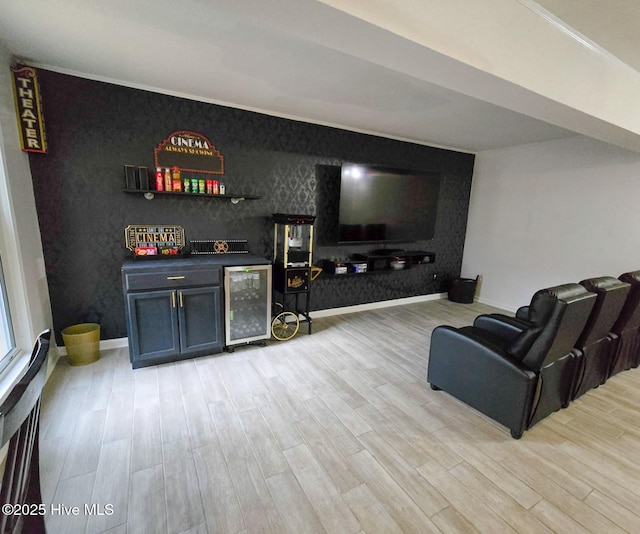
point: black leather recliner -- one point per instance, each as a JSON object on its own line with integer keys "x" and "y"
{"x": 514, "y": 370}
{"x": 627, "y": 328}
{"x": 597, "y": 342}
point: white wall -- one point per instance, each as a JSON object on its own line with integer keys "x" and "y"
{"x": 20, "y": 242}
{"x": 551, "y": 213}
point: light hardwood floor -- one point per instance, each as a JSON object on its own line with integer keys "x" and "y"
{"x": 333, "y": 432}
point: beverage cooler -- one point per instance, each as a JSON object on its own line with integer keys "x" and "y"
{"x": 247, "y": 299}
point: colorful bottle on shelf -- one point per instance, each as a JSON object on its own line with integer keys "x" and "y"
{"x": 167, "y": 180}
{"x": 177, "y": 181}
{"x": 159, "y": 179}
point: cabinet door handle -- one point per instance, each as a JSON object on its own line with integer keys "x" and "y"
{"x": 181, "y": 301}
{"x": 176, "y": 277}
{"x": 173, "y": 299}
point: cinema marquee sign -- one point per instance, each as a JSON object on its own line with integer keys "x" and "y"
{"x": 159, "y": 237}
{"x": 191, "y": 152}
{"x": 29, "y": 109}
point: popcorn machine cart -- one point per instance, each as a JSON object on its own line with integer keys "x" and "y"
{"x": 292, "y": 273}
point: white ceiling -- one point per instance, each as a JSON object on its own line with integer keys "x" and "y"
{"x": 613, "y": 24}
{"x": 287, "y": 58}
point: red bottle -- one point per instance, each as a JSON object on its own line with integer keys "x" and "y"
{"x": 159, "y": 179}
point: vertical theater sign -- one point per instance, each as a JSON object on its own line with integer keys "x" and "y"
{"x": 29, "y": 109}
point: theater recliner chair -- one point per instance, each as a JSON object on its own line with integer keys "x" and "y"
{"x": 597, "y": 342}
{"x": 503, "y": 366}
{"x": 627, "y": 327}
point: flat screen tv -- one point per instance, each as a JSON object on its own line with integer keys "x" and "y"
{"x": 385, "y": 205}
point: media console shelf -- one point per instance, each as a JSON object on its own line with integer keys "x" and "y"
{"x": 378, "y": 261}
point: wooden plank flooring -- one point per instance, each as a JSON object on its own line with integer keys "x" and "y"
{"x": 337, "y": 432}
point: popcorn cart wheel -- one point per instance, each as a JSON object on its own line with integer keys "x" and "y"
{"x": 285, "y": 324}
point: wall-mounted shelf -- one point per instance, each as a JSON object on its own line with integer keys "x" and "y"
{"x": 378, "y": 261}
{"x": 150, "y": 194}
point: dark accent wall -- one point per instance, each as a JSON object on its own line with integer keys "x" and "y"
{"x": 95, "y": 128}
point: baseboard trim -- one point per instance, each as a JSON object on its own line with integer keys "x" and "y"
{"x": 105, "y": 344}
{"x": 376, "y": 305}
{"x": 495, "y": 304}
{"x": 123, "y": 342}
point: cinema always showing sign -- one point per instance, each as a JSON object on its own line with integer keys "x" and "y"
{"x": 189, "y": 151}
{"x": 29, "y": 109}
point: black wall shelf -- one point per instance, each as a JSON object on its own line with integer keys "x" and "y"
{"x": 379, "y": 262}
{"x": 150, "y": 194}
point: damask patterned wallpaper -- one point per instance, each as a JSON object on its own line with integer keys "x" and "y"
{"x": 95, "y": 128}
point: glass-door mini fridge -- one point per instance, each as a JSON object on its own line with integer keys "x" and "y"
{"x": 247, "y": 299}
